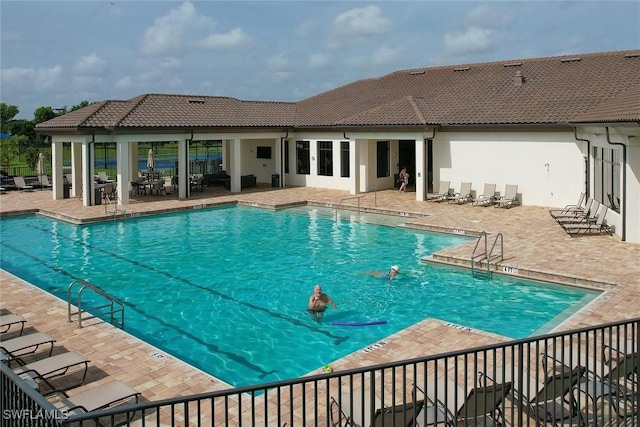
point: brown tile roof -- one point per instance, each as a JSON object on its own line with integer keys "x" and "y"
{"x": 551, "y": 90}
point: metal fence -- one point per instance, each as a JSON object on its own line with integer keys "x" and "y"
{"x": 584, "y": 377}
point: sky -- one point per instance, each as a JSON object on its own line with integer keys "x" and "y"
{"x": 60, "y": 53}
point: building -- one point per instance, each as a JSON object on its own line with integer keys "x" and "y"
{"x": 555, "y": 126}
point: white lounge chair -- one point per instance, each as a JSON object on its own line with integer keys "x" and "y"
{"x": 54, "y": 366}
{"x": 21, "y": 184}
{"x": 487, "y": 197}
{"x": 359, "y": 414}
{"x": 442, "y": 194}
{"x": 463, "y": 196}
{"x": 100, "y": 397}
{"x": 589, "y": 225}
{"x": 510, "y": 197}
{"x": 15, "y": 348}
{"x": 44, "y": 182}
{"x": 8, "y": 320}
{"x": 569, "y": 208}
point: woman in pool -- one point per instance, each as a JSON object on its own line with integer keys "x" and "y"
{"x": 393, "y": 271}
{"x": 318, "y": 303}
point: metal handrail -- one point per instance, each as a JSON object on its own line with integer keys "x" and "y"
{"x": 359, "y": 196}
{"x": 487, "y": 254}
{"x": 490, "y": 256}
{"x": 114, "y": 304}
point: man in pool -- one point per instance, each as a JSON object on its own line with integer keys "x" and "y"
{"x": 318, "y": 303}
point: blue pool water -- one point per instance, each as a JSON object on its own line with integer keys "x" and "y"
{"x": 226, "y": 289}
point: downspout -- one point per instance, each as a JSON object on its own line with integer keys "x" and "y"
{"x": 623, "y": 208}
{"x": 588, "y": 172}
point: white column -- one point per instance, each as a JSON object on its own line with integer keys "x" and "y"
{"x": 421, "y": 170}
{"x": 354, "y": 170}
{"x": 363, "y": 162}
{"x": 88, "y": 153}
{"x": 184, "y": 184}
{"x": 236, "y": 165}
{"x": 278, "y": 163}
{"x": 632, "y": 194}
{"x": 57, "y": 174}
{"x": 76, "y": 169}
{"x": 123, "y": 172}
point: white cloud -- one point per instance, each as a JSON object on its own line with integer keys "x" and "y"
{"x": 318, "y": 60}
{"x": 43, "y": 78}
{"x": 124, "y": 83}
{"x": 358, "y": 25}
{"x": 384, "y": 56}
{"x": 486, "y": 17}
{"x": 280, "y": 67}
{"x": 167, "y": 34}
{"x": 303, "y": 29}
{"x": 90, "y": 65}
{"x": 232, "y": 39}
{"x": 472, "y": 40}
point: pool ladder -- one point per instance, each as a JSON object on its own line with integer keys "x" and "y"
{"x": 487, "y": 255}
{"x": 114, "y": 305}
{"x": 359, "y": 196}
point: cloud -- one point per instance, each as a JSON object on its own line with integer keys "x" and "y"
{"x": 318, "y": 60}
{"x": 472, "y": 40}
{"x": 384, "y": 56}
{"x": 124, "y": 83}
{"x": 486, "y": 17}
{"x": 279, "y": 67}
{"x": 90, "y": 65}
{"x": 41, "y": 79}
{"x": 303, "y": 29}
{"x": 232, "y": 39}
{"x": 359, "y": 25}
{"x": 167, "y": 34}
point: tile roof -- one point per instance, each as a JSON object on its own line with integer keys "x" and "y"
{"x": 592, "y": 87}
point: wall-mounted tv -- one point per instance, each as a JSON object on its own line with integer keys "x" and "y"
{"x": 263, "y": 152}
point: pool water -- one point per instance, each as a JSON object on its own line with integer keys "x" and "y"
{"x": 226, "y": 289}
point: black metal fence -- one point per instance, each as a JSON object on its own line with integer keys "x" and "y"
{"x": 584, "y": 377}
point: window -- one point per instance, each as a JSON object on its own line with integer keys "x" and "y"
{"x": 344, "y": 159}
{"x": 606, "y": 168}
{"x": 325, "y": 158}
{"x": 382, "y": 155}
{"x": 263, "y": 152}
{"x": 303, "y": 163}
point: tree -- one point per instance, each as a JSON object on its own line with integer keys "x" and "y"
{"x": 7, "y": 113}
{"x": 42, "y": 114}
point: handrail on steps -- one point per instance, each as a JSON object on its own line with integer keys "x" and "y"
{"x": 114, "y": 304}
{"x": 359, "y": 196}
{"x": 487, "y": 254}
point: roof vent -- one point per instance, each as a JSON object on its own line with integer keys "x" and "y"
{"x": 632, "y": 55}
{"x": 512, "y": 64}
{"x": 518, "y": 79}
{"x": 416, "y": 72}
{"x": 461, "y": 69}
{"x": 572, "y": 59}
{"x": 196, "y": 101}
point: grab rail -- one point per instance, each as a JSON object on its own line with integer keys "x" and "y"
{"x": 487, "y": 254}
{"x": 114, "y": 211}
{"x": 114, "y": 304}
{"x": 359, "y": 196}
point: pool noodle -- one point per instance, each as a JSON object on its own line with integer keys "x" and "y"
{"x": 372, "y": 323}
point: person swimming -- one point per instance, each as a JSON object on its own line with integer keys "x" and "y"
{"x": 393, "y": 271}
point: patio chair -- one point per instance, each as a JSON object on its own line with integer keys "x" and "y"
{"x": 15, "y": 348}
{"x": 442, "y": 194}
{"x": 590, "y": 224}
{"x": 8, "y": 320}
{"x": 463, "y": 196}
{"x": 580, "y": 216}
{"x": 53, "y": 367}
{"x": 21, "y": 184}
{"x": 509, "y": 199}
{"x": 363, "y": 409}
{"x": 487, "y": 197}
{"x": 103, "y": 396}
{"x": 569, "y": 208}
{"x": 44, "y": 182}
{"x": 103, "y": 178}
{"x": 452, "y": 405}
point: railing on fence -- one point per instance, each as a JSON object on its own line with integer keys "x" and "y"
{"x": 583, "y": 377}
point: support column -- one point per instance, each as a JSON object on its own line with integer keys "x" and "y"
{"x": 363, "y": 161}
{"x": 76, "y": 169}
{"x": 57, "y": 175}
{"x": 123, "y": 172}
{"x": 184, "y": 183}
{"x": 236, "y": 165}
{"x": 278, "y": 157}
{"x": 88, "y": 194}
{"x": 354, "y": 170}
{"x": 632, "y": 194}
{"x": 421, "y": 169}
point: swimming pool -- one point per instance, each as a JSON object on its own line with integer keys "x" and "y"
{"x": 226, "y": 289}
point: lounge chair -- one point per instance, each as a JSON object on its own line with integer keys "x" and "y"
{"x": 8, "y": 320}
{"x": 15, "y": 348}
{"x": 487, "y": 197}
{"x": 103, "y": 178}
{"x": 463, "y": 196}
{"x": 569, "y": 208}
{"x": 509, "y": 199}
{"x": 44, "y": 182}
{"x": 579, "y": 216}
{"x": 53, "y": 367}
{"x": 550, "y": 402}
{"x": 363, "y": 409}
{"x": 442, "y": 194}
{"x": 100, "y": 397}
{"x": 450, "y": 404}
{"x": 21, "y": 185}
{"x": 590, "y": 224}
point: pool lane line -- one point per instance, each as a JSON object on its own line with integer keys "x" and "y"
{"x": 211, "y": 347}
